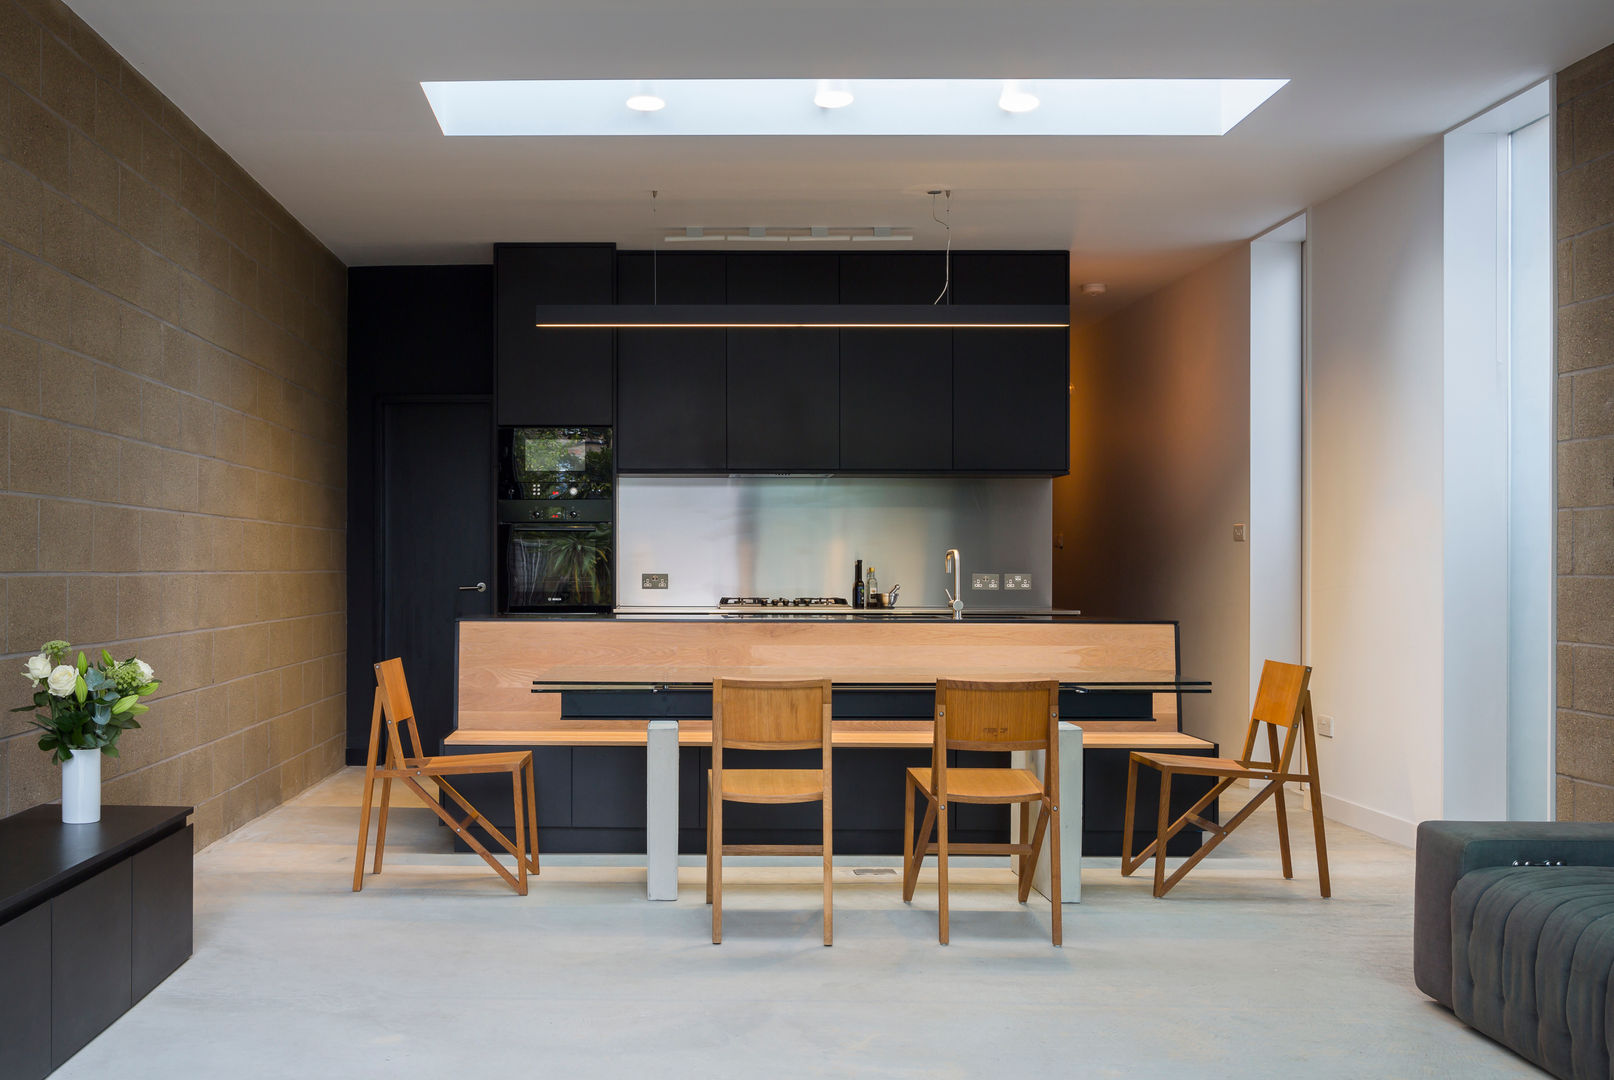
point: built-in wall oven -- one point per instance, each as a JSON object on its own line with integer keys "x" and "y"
{"x": 557, "y": 503}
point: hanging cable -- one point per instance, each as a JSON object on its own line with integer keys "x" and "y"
{"x": 947, "y": 257}
{"x": 655, "y": 297}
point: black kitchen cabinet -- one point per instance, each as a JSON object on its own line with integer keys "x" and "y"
{"x": 896, "y": 401}
{"x": 553, "y": 377}
{"x": 685, "y": 277}
{"x": 1011, "y": 401}
{"x": 1011, "y": 277}
{"x": 784, "y": 279}
{"x": 783, "y": 400}
{"x": 892, "y": 277}
{"x": 671, "y": 401}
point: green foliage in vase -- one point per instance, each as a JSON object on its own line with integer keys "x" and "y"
{"x": 80, "y": 706}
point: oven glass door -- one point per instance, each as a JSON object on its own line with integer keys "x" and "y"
{"x": 558, "y": 567}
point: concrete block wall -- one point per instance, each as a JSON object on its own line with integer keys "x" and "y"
{"x": 172, "y": 433}
{"x": 1585, "y": 297}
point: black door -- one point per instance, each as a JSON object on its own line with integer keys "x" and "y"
{"x": 784, "y": 400}
{"x": 436, "y": 525}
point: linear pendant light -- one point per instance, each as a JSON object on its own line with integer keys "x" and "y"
{"x": 804, "y": 316}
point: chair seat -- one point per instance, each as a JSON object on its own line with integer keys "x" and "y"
{"x": 1209, "y": 766}
{"x": 771, "y": 785}
{"x": 984, "y": 785}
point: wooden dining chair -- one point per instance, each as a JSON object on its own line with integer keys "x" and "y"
{"x": 1282, "y": 701}
{"x": 756, "y": 714}
{"x": 394, "y": 710}
{"x": 987, "y": 716}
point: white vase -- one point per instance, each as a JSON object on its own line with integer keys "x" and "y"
{"x": 81, "y": 788}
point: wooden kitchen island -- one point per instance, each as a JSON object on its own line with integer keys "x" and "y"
{"x": 589, "y": 694}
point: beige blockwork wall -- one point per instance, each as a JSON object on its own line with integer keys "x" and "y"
{"x": 172, "y": 415}
{"x": 1586, "y": 439}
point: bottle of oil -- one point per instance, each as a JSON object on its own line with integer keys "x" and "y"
{"x": 858, "y": 598}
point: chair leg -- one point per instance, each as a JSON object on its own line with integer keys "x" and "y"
{"x": 942, "y": 929}
{"x": 716, "y": 869}
{"x": 920, "y": 843}
{"x": 1162, "y": 834}
{"x": 1127, "y": 865}
{"x": 1028, "y": 863}
{"x": 1024, "y": 812}
{"x": 708, "y": 850}
{"x": 1322, "y": 841}
{"x": 521, "y": 831}
{"x": 381, "y": 821}
{"x": 364, "y": 827}
{"x": 532, "y": 815}
{"x": 829, "y": 871}
{"x": 1053, "y": 876}
{"x": 907, "y": 836}
{"x": 1278, "y": 802}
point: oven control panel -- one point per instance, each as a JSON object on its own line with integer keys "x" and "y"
{"x": 523, "y": 511}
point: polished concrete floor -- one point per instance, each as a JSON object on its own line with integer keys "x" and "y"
{"x": 437, "y": 969}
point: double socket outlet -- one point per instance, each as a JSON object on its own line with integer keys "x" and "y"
{"x": 1007, "y": 582}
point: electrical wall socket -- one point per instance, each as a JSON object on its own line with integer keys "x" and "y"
{"x": 1017, "y": 581}
{"x": 985, "y": 581}
{"x": 1325, "y": 725}
{"x": 652, "y": 581}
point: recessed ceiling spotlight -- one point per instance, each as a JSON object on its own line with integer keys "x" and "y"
{"x": 1095, "y": 288}
{"x": 1017, "y": 97}
{"x": 645, "y": 100}
{"x": 832, "y": 94}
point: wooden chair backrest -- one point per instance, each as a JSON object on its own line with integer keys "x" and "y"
{"x": 769, "y": 714}
{"x": 766, "y": 714}
{"x": 1281, "y": 701}
{"x": 393, "y": 706}
{"x": 997, "y": 715}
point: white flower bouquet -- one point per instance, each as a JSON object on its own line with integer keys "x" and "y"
{"x": 82, "y": 706}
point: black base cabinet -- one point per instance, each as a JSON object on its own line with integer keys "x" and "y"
{"x": 92, "y": 918}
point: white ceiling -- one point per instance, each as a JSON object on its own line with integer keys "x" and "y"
{"x": 320, "y": 101}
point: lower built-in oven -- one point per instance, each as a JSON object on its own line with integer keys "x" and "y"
{"x": 557, "y": 538}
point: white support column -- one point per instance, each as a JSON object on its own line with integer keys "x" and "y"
{"x": 661, "y": 810}
{"x": 1070, "y": 815}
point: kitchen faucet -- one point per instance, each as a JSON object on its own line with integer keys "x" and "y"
{"x": 953, "y": 564}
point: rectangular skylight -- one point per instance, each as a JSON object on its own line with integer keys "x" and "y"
{"x": 592, "y": 107}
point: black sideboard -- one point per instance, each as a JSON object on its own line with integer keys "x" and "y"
{"x": 92, "y": 917}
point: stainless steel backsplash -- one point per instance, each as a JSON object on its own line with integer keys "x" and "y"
{"x": 799, "y": 536}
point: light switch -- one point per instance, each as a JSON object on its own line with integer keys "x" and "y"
{"x": 1238, "y": 533}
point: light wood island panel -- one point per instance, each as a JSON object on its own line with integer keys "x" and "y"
{"x": 499, "y": 660}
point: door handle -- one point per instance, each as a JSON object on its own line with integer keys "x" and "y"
{"x": 480, "y": 586}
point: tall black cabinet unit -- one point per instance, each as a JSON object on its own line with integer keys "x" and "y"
{"x": 672, "y": 392}
{"x": 553, "y": 377}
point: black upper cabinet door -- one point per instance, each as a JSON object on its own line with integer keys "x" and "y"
{"x": 557, "y": 377}
{"x": 686, "y": 277}
{"x": 1011, "y": 277}
{"x": 1011, "y": 401}
{"x": 784, "y": 279}
{"x": 889, "y": 277}
{"x": 896, "y": 400}
{"x": 670, "y": 401}
{"x": 783, "y": 400}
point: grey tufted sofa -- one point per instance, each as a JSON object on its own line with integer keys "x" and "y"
{"x": 1522, "y": 953}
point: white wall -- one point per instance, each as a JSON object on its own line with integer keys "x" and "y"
{"x": 1160, "y": 473}
{"x": 1374, "y": 495}
{"x": 1276, "y": 363}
